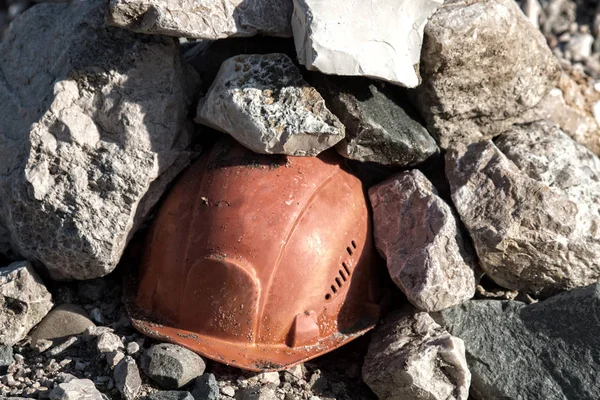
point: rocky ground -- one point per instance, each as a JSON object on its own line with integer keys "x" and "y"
{"x": 483, "y": 181}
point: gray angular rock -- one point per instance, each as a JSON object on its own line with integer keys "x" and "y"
{"x": 266, "y": 105}
{"x": 76, "y": 389}
{"x": 412, "y": 357}
{"x": 24, "y": 301}
{"x": 6, "y": 358}
{"x": 380, "y": 126}
{"x": 205, "y": 19}
{"x": 530, "y": 204}
{"x": 109, "y": 342}
{"x": 206, "y": 388}
{"x": 127, "y": 378}
{"x": 172, "y": 395}
{"x": 418, "y": 235}
{"x": 483, "y": 64}
{"x": 546, "y": 350}
{"x": 94, "y": 125}
{"x": 356, "y": 37}
{"x": 171, "y": 366}
{"x": 257, "y": 393}
{"x": 62, "y": 322}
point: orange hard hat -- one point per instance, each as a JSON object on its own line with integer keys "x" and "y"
{"x": 259, "y": 262}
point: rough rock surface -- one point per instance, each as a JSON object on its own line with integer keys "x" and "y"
{"x": 206, "y": 388}
{"x": 93, "y": 127}
{"x": 546, "y": 350}
{"x": 205, "y": 19}
{"x": 62, "y": 322}
{"x": 127, "y": 378}
{"x": 417, "y": 233}
{"x": 266, "y": 105}
{"x": 171, "y": 366}
{"x": 172, "y": 395}
{"x": 412, "y": 357}
{"x": 6, "y": 357}
{"x": 24, "y": 301}
{"x": 483, "y": 64}
{"x": 76, "y": 389}
{"x": 380, "y": 40}
{"x": 530, "y": 204}
{"x": 380, "y": 124}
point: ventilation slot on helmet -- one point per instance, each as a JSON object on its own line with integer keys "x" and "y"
{"x": 344, "y": 273}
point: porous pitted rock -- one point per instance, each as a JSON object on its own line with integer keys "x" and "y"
{"x": 266, "y": 105}
{"x": 412, "y": 357}
{"x": 483, "y": 64}
{"x": 417, "y": 233}
{"x": 546, "y": 350}
{"x": 94, "y": 125}
{"x": 171, "y": 366}
{"x": 204, "y": 19}
{"x": 379, "y": 40}
{"x": 530, "y": 204}
{"x": 380, "y": 124}
{"x": 76, "y": 389}
{"x": 62, "y": 322}
{"x": 24, "y": 301}
{"x": 127, "y": 378}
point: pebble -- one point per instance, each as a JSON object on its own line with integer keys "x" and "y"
{"x": 133, "y": 348}
{"x": 114, "y": 357}
{"x": 171, "y": 366}
{"x": 108, "y": 342}
{"x": 127, "y": 378}
{"x": 63, "y": 346}
{"x": 96, "y": 315}
{"x": 269, "y": 378}
{"x": 228, "y": 391}
{"x": 6, "y": 357}
{"x": 62, "y": 322}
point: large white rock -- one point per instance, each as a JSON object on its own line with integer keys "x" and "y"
{"x": 24, "y": 301}
{"x": 266, "y": 105}
{"x": 93, "y": 125}
{"x": 203, "y": 19}
{"x": 355, "y": 37}
{"x": 412, "y": 357}
{"x": 417, "y": 234}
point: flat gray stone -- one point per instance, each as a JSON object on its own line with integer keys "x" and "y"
{"x": 418, "y": 235}
{"x": 171, "y": 366}
{"x": 127, "y": 378}
{"x": 264, "y": 103}
{"x": 94, "y": 126}
{"x": 205, "y": 19}
{"x": 380, "y": 126}
{"x": 530, "y": 204}
{"x": 483, "y": 64}
{"x": 354, "y": 37}
{"x": 412, "y": 357}
{"x": 24, "y": 301}
{"x": 173, "y": 395}
{"x": 546, "y": 350}
{"x": 62, "y": 322}
{"x": 76, "y": 389}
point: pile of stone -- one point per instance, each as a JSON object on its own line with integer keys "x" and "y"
{"x": 479, "y": 152}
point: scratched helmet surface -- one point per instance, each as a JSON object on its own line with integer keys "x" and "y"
{"x": 259, "y": 262}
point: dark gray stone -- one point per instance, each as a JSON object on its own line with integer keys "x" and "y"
{"x": 206, "y": 388}
{"x": 541, "y": 351}
{"x": 380, "y": 126}
{"x": 6, "y": 357}
{"x": 170, "y": 395}
{"x": 171, "y": 366}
